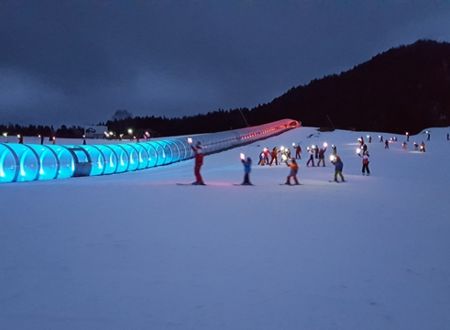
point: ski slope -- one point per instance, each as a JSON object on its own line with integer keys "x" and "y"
{"x": 137, "y": 251}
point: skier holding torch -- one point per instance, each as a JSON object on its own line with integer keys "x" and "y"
{"x": 198, "y": 154}
{"x": 247, "y": 162}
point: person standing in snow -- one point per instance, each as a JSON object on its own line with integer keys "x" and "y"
{"x": 247, "y": 162}
{"x": 365, "y": 162}
{"x": 338, "y": 167}
{"x": 386, "y": 144}
{"x": 274, "y": 156}
{"x": 198, "y": 154}
{"x": 422, "y": 147}
{"x": 322, "y": 156}
{"x": 293, "y": 172}
{"x": 311, "y": 157}
{"x": 298, "y": 151}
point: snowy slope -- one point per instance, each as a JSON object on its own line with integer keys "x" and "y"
{"x": 136, "y": 251}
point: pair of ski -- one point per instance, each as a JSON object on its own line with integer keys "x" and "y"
{"x": 190, "y": 184}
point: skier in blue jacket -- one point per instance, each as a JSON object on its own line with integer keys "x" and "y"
{"x": 338, "y": 167}
{"x": 247, "y": 162}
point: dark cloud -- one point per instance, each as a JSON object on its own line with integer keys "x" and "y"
{"x": 79, "y": 61}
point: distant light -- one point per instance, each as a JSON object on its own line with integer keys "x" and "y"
{"x": 293, "y": 144}
{"x": 242, "y": 156}
{"x": 189, "y": 140}
{"x": 325, "y": 144}
{"x": 332, "y": 158}
{"x": 407, "y": 133}
{"x": 130, "y": 131}
{"x": 5, "y": 134}
{"x": 358, "y": 150}
{"x": 282, "y": 148}
{"x": 18, "y": 136}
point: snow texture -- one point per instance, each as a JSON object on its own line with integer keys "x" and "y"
{"x": 137, "y": 251}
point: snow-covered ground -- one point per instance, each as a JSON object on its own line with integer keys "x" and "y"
{"x": 137, "y": 251}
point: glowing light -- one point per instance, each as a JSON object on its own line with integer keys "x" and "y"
{"x": 282, "y": 148}
{"x": 332, "y": 158}
{"x": 358, "y": 150}
{"x": 18, "y": 136}
{"x": 189, "y": 140}
{"x": 242, "y": 156}
{"x": 407, "y": 133}
{"x": 293, "y": 144}
{"x": 130, "y": 131}
{"x": 5, "y": 134}
{"x": 367, "y": 136}
{"x": 325, "y": 144}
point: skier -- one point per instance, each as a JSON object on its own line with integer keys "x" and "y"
{"x": 316, "y": 151}
{"x": 247, "y": 162}
{"x": 370, "y": 138}
{"x": 311, "y": 157}
{"x": 42, "y": 138}
{"x": 198, "y": 162}
{"x": 386, "y": 144}
{"x": 20, "y": 138}
{"x": 416, "y": 146}
{"x": 322, "y": 156}
{"x": 448, "y": 137}
{"x": 338, "y": 167}
{"x": 365, "y": 163}
{"x": 266, "y": 155}
{"x": 293, "y": 173}
{"x": 404, "y": 145}
{"x": 428, "y": 135}
{"x": 261, "y": 159}
{"x": 381, "y": 138}
{"x": 298, "y": 151}
{"x": 407, "y": 136}
{"x": 422, "y": 147}
{"x": 274, "y": 155}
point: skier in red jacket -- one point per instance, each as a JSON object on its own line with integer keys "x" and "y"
{"x": 198, "y": 154}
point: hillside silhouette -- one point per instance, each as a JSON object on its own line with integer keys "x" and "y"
{"x": 404, "y": 88}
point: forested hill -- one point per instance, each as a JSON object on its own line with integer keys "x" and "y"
{"x": 404, "y": 88}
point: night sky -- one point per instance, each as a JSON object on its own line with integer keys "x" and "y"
{"x": 76, "y": 62}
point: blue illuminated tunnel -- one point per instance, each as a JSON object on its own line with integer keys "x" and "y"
{"x": 30, "y": 162}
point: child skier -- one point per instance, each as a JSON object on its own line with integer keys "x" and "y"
{"x": 365, "y": 163}
{"x": 311, "y": 157}
{"x": 293, "y": 173}
{"x": 338, "y": 167}
{"x": 247, "y": 162}
{"x": 322, "y": 156}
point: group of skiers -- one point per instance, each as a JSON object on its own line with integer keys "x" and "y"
{"x": 278, "y": 155}
{"x": 283, "y": 155}
{"x": 291, "y": 162}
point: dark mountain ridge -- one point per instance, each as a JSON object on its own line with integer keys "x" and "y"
{"x": 404, "y": 88}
